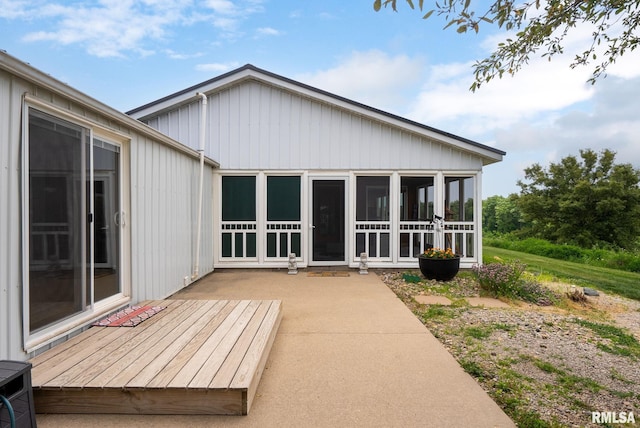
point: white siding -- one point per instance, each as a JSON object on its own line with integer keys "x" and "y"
{"x": 253, "y": 125}
{"x": 10, "y": 240}
{"x": 163, "y": 189}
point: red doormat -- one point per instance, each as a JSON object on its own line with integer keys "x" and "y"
{"x": 129, "y": 317}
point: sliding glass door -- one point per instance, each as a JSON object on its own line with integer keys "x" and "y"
{"x": 73, "y": 220}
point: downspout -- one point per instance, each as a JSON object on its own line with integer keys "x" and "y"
{"x": 203, "y": 126}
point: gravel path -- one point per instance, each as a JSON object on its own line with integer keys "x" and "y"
{"x": 558, "y": 364}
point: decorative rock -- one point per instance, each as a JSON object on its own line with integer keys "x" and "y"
{"x": 432, "y": 300}
{"x": 590, "y": 292}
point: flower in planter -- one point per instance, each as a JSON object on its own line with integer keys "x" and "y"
{"x": 438, "y": 253}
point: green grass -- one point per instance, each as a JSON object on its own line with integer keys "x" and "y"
{"x": 622, "y": 343}
{"x": 436, "y": 313}
{"x": 619, "y": 282}
{"x": 477, "y": 332}
{"x": 628, "y": 260}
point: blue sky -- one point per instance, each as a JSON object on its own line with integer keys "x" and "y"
{"x": 126, "y": 53}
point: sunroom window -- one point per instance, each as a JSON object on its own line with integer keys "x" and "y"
{"x": 239, "y": 216}
{"x": 283, "y": 216}
{"x": 417, "y": 205}
{"x": 459, "y": 214}
{"x": 372, "y": 216}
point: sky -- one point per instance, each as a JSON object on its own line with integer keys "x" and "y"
{"x": 126, "y": 53}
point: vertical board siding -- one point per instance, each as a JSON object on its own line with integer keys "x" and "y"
{"x": 163, "y": 193}
{"x": 253, "y": 125}
{"x": 10, "y": 212}
{"x": 164, "y": 202}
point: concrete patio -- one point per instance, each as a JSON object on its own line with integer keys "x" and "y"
{"x": 348, "y": 353}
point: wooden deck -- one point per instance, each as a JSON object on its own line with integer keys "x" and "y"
{"x": 194, "y": 357}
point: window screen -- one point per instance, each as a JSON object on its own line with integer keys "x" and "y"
{"x": 283, "y": 198}
{"x": 372, "y": 200}
{"x": 238, "y": 198}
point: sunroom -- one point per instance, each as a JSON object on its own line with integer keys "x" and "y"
{"x": 310, "y": 177}
{"x": 265, "y": 218}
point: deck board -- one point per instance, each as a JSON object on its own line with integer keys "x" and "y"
{"x": 194, "y": 357}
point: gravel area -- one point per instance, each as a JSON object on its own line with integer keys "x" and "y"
{"x": 547, "y": 364}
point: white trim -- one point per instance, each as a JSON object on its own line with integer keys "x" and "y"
{"x": 394, "y": 215}
{"x": 26, "y": 231}
{"x": 478, "y": 254}
{"x": 261, "y": 216}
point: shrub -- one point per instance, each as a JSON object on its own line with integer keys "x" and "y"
{"x": 534, "y": 292}
{"x": 499, "y": 279}
{"x": 505, "y": 279}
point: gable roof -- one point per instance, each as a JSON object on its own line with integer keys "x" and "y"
{"x": 249, "y": 71}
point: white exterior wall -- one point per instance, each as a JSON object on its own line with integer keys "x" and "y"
{"x": 257, "y": 126}
{"x": 10, "y": 215}
{"x": 164, "y": 202}
{"x": 162, "y": 191}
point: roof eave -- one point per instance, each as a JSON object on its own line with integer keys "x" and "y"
{"x": 37, "y": 77}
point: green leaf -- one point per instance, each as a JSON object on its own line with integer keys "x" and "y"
{"x": 376, "y": 5}
{"x": 411, "y": 4}
{"x": 428, "y": 14}
{"x": 450, "y": 24}
{"x": 462, "y": 29}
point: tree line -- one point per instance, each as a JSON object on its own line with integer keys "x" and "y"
{"x": 587, "y": 200}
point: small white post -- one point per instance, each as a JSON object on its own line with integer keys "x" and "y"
{"x": 364, "y": 264}
{"x": 293, "y": 264}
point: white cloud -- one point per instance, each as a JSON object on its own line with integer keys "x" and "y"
{"x": 224, "y": 7}
{"x": 541, "y": 87}
{"x": 608, "y": 121}
{"x": 268, "y": 31}
{"x": 110, "y": 28}
{"x": 535, "y": 95}
{"x": 228, "y": 15}
{"x": 372, "y": 77}
{"x": 177, "y": 55}
{"x": 11, "y": 9}
{"x": 114, "y": 28}
{"x": 611, "y": 123}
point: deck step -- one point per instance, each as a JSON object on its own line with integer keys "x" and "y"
{"x": 201, "y": 357}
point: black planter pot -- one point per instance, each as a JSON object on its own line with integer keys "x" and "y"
{"x": 439, "y": 269}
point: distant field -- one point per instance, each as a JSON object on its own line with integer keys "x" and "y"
{"x": 623, "y": 283}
